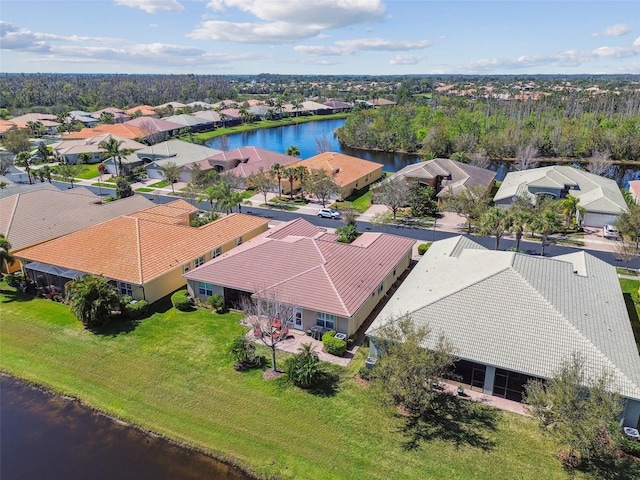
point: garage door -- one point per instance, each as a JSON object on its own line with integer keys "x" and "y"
{"x": 592, "y": 219}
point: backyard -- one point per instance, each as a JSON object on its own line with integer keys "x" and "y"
{"x": 170, "y": 374}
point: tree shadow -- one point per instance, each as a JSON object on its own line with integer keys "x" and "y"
{"x": 15, "y": 296}
{"x": 611, "y": 467}
{"x": 117, "y": 326}
{"x": 453, "y": 420}
{"x": 327, "y": 386}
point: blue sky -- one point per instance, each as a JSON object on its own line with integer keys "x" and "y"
{"x": 378, "y": 37}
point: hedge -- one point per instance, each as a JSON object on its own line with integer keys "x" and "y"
{"x": 181, "y": 301}
{"x": 333, "y": 345}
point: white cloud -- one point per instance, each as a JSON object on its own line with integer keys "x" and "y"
{"x": 153, "y": 6}
{"x": 349, "y": 47}
{"x": 636, "y": 42}
{"x": 283, "y": 21}
{"x": 406, "y": 59}
{"x": 616, "y": 30}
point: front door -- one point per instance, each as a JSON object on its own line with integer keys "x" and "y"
{"x": 297, "y": 318}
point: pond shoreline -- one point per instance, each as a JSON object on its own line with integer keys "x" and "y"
{"x": 211, "y": 455}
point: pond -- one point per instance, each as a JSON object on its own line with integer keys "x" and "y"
{"x": 304, "y": 136}
{"x": 47, "y": 436}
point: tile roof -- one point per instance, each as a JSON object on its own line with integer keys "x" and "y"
{"x": 312, "y": 269}
{"x": 15, "y": 188}
{"x": 176, "y": 151}
{"x": 92, "y": 144}
{"x": 137, "y": 250}
{"x": 187, "y": 120}
{"x": 634, "y": 188}
{"x": 345, "y": 169}
{"x": 596, "y": 193}
{"x": 520, "y": 312}
{"x": 118, "y": 129}
{"x": 145, "y": 110}
{"x": 152, "y": 125}
{"x": 461, "y": 175}
{"x": 250, "y": 159}
{"x": 39, "y": 215}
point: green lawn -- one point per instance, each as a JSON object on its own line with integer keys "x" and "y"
{"x": 632, "y": 298}
{"x": 103, "y": 184}
{"x": 144, "y": 190}
{"x": 160, "y": 184}
{"x": 89, "y": 171}
{"x": 360, "y": 204}
{"x": 170, "y": 375}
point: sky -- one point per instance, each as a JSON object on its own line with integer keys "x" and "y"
{"x": 326, "y": 37}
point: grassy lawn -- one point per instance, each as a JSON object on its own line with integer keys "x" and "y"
{"x": 144, "y": 190}
{"x": 359, "y": 204}
{"x": 89, "y": 171}
{"x": 632, "y": 299}
{"x": 103, "y": 184}
{"x": 265, "y": 124}
{"x": 170, "y": 374}
{"x": 160, "y": 184}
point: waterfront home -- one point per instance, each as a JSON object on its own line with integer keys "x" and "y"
{"x": 144, "y": 254}
{"x": 511, "y": 317}
{"x": 69, "y": 150}
{"x": 349, "y": 173}
{"x": 332, "y": 285}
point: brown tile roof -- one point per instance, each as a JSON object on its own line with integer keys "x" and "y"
{"x": 153, "y": 125}
{"x": 6, "y": 125}
{"x": 145, "y": 110}
{"x": 40, "y": 215}
{"x": 119, "y": 129}
{"x": 252, "y": 159}
{"x": 136, "y": 250}
{"x": 314, "y": 272}
{"x": 344, "y": 168}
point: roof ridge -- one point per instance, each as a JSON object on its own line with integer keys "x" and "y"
{"x": 13, "y": 213}
{"x": 335, "y": 289}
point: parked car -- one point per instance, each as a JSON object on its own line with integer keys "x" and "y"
{"x": 328, "y": 213}
{"x": 609, "y": 231}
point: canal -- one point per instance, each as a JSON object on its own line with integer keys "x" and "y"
{"x": 45, "y": 436}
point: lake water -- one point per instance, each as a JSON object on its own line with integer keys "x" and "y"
{"x": 304, "y": 136}
{"x": 44, "y": 436}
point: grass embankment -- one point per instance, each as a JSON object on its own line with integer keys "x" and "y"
{"x": 632, "y": 299}
{"x": 170, "y": 374}
{"x": 246, "y": 127}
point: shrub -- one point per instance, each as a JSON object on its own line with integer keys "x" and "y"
{"x": 333, "y": 345}
{"x": 305, "y": 369}
{"x": 217, "y": 302}
{"x": 181, "y": 301}
{"x": 423, "y": 247}
{"x": 243, "y": 351}
{"x": 14, "y": 279}
{"x": 365, "y": 373}
{"x": 136, "y": 309}
{"x": 351, "y": 341}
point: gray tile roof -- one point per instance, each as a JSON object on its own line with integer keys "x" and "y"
{"x": 176, "y": 151}
{"x": 596, "y": 193}
{"x": 521, "y": 312}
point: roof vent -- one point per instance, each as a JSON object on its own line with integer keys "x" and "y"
{"x": 337, "y": 170}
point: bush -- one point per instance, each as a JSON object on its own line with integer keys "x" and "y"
{"x": 333, "y": 345}
{"x": 305, "y": 369}
{"x": 14, "y": 279}
{"x": 217, "y": 302}
{"x": 423, "y": 247}
{"x": 243, "y": 351}
{"x": 351, "y": 341}
{"x": 365, "y": 373}
{"x": 181, "y": 301}
{"x": 136, "y": 309}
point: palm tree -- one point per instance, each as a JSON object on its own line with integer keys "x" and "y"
{"x": 516, "y": 221}
{"x": 290, "y": 174}
{"x": 107, "y": 118}
{"x": 45, "y": 173}
{"x": 209, "y": 194}
{"x": 546, "y": 221}
{"x": 301, "y": 174}
{"x": 494, "y": 222}
{"x": 24, "y": 160}
{"x": 91, "y": 299}
{"x": 36, "y": 128}
{"x": 572, "y": 209}
{"x": 64, "y": 119}
{"x": 111, "y": 148}
{"x": 276, "y": 170}
{"x": 6, "y": 258}
{"x": 296, "y": 103}
{"x": 42, "y": 152}
{"x": 293, "y": 151}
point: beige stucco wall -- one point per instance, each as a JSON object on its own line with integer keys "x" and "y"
{"x": 360, "y": 183}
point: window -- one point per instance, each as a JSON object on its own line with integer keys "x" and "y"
{"x": 394, "y": 272}
{"x": 216, "y": 253}
{"x": 205, "y": 289}
{"x": 186, "y": 267}
{"x": 125, "y": 289}
{"x": 198, "y": 261}
{"x": 238, "y": 241}
{"x": 380, "y": 288}
{"x": 326, "y": 320}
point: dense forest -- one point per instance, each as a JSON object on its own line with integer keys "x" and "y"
{"x": 557, "y": 125}
{"x": 56, "y": 93}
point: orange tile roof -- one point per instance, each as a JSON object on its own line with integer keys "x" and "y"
{"x": 119, "y": 129}
{"x": 344, "y": 168}
{"x": 145, "y": 110}
{"x": 136, "y": 250}
{"x": 6, "y": 125}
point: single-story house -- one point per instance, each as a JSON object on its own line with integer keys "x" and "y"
{"x": 119, "y": 115}
{"x": 44, "y": 212}
{"x": 48, "y": 121}
{"x": 154, "y": 157}
{"x": 83, "y": 117}
{"x": 196, "y": 124}
{"x": 120, "y": 129}
{"x": 142, "y": 111}
{"x": 445, "y": 176}
{"x": 172, "y": 105}
{"x": 144, "y": 254}
{"x": 331, "y": 284}
{"x": 155, "y": 129}
{"x": 350, "y": 173}
{"x": 601, "y": 197}
{"x": 5, "y": 126}
{"x": 338, "y": 106}
{"x": 245, "y": 161}
{"x": 70, "y": 150}
{"x": 511, "y": 317}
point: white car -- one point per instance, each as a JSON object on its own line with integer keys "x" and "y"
{"x": 328, "y": 213}
{"x": 609, "y": 231}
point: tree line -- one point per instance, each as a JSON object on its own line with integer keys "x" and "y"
{"x": 556, "y": 126}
